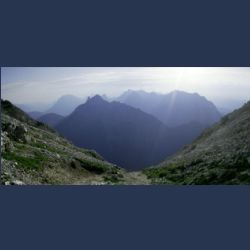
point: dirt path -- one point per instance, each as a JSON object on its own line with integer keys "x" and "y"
{"x": 136, "y": 178}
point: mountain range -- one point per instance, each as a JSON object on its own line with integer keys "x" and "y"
{"x": 136, "y": 130}
{"x": 34, "y": 153}
{"x": 173, "y": 109}
{"x": 65, "y": 105}
{"x": 124, "y": 135}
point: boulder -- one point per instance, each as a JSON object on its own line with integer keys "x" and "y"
{"x": 19, "y": 132}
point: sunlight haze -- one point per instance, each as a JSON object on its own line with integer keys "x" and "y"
{"x": 46, "y": 85}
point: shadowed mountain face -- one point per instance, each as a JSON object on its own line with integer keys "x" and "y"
{"x": 124, "y": 135}
{"x": 35, "y": 114}
{"x": 220, "y": 155}
{"x": 51, "y": 119}
{"x": 65, "y": 105}
{"x": 173, "y": 109}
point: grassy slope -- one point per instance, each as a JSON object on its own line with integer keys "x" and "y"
{"x": 221, "y": 155}
{"x": 48, "y": 158}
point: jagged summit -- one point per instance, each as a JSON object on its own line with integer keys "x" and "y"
{"x": 124, "y": 135}
{"x": 97, "y": 99}
{"x": 92, "y": 103}
{"x": 175, "y": 108}
{"x": 65, "y": 105}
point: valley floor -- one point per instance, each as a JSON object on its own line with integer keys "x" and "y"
{"x": 136, "y": 178}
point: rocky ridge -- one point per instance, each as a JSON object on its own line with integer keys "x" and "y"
{"x": 35, "y": 154}
{"x": 221, "y": 155}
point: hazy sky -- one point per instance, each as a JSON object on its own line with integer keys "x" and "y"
{"x": 32, "y": 85}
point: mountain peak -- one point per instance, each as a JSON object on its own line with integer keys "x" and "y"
{"x": 179, "y": 92}
{"x": 95, "y": 99}
{"x": 65, "y": 105}
{"x": 67, "y": 97}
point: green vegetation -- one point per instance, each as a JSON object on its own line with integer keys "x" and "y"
{"x": 93, "y": 153}
{"x": 96, "y": 167}
{"x": 27, "y": 163}
{"x": 111, "y": 179}
{"x": 46, "y": 158}
{"x": 200, "y": 172}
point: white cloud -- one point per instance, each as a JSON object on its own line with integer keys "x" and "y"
{"x": 27, "y": 85}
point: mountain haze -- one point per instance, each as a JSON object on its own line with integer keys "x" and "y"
{"x": 173, "y": 109}
{"x": 51, "y": 119}
{"x": 65, "y": 105}
{"x": 35, "y": 114}
{"x": 124, "y": 135}
{"x": 34, "y": 153}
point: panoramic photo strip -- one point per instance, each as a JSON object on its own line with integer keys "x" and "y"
{"x": 125, "y": 125}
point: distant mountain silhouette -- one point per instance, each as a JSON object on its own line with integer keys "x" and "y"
{"x": 173, "y": 109}
{"x": 226, "y": 106}
{"x": 51, "y": 119}
{"x": 124, "y": 135}
{"x": 30, "y": 107}
{"x": 65, "y": 105}
{"x": 35, "y": 114}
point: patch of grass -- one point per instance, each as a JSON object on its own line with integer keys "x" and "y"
{"x": 48, "y": 148}
{"x": 20, "y": 146}
{"x": 94, "y": 167}
{"x": 38, "y": 145}
{"x": 111, "y": 179}
{"x": 198, "y": 172}
{"x": 27, "y": 163}
{"x": 224, "y": 119}
{"x": 172, "y": 173}
{"x": 93, "y": 154}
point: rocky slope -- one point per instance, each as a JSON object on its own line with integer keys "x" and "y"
{"x": 221, "y": 155}
{"x": 33, "y": 153}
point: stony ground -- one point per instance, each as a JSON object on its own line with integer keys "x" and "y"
{"x": 32, "y": 155}
{"x": 136, "y": 178}
{"x": 221, "y": 155}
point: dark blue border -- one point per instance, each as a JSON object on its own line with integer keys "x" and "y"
{"x": 125, "y": 33}
{"x": 153, "y": 217}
